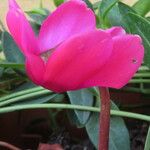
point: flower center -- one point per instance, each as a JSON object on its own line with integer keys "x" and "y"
{"x": 45, "y": 56}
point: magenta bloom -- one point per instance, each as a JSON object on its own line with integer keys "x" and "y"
{"x": 70, "y": 53}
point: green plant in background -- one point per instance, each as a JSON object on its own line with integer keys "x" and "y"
{"x": 18, "y": 93}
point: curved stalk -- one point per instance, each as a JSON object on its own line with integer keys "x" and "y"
{"x": 23, "y": 97}
{"x": 24, "y": 92}
{"x": 77, "y": 107}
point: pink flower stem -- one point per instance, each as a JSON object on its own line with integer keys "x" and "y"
{"x": 104, "y": 119}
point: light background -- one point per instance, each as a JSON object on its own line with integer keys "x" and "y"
{"x": 29, "y": 4}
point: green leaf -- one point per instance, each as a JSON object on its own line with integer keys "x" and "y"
{"x": 25, "y": 86}
{"x": 11, "y": 50}
{"x": 81, "y": 97}
{"x": 141, "y": 26}
{"x": 117, "y": 16}
{"x": 94, "y": 91}
{"x": 142, "y": 7}
{"x": 11, "y": 65}
{"x": 36, "y": 27}
{"x": 147, "y": 143}
{"x": 1, "y": 71}
{"x": 147, "y": 18}
{"x": 74, "y": 119}
{"x": 37, "y": 100}
{"x": 59, "y": 98}
{"x": 119, "y": 136}
{"x": 124, "y": 16}
{"x": 105, "y": 7}
{"x": 89, "y": 4}
{"x": 1, "y": 47}
{"x": 39, "y": 11}
{"x": 96, "y": 5}
{"x": 58, "y": 2}
{"x": 38, "y": 15}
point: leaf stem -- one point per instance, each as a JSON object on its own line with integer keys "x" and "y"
{"x": 23, "y": 97}
{"x": 24, "y": 92}
{"x": 77, "y": 107}
{"x": 139, "y": 81}
{"x": 136, "y": 90}
{"x": 146, "y": 74}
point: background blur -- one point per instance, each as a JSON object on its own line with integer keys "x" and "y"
{"x": 30, "y": 4}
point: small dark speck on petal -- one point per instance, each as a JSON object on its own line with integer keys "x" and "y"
{"x": 134, "y": 61}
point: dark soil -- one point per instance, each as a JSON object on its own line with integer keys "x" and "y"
{"x": 70, "y": 143}
{"x": 27, "y": 129}
{"x": 138, "y": 131}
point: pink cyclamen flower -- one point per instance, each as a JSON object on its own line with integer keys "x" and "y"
{"x": 70, "y": 53}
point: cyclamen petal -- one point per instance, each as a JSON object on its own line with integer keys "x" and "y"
{"x": 13, "y": 4}
{"x": 72, "y": 17}
{"x": 114, "y": 31}
{"x": 35, "y": 68}
{"x": 74, "y": 61}
{"x": 126, "y": 58}
{"x": 20, "y": 29}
